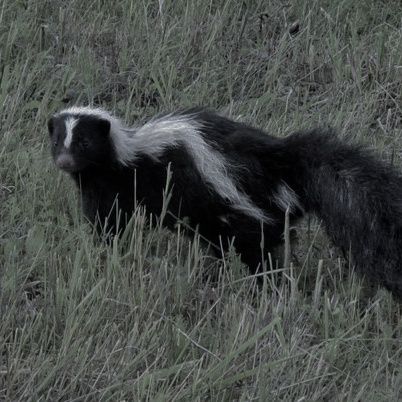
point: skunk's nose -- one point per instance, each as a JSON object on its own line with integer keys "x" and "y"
{"x": 66, "y": 162}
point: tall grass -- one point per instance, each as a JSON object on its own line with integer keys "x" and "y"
{"x": 154, "y": 316}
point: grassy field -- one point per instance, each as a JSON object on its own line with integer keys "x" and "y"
{"x": 141, "y": 320}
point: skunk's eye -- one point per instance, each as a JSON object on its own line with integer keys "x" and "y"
{"x": 84, "y": 143}
{"x": 55, "y": 142}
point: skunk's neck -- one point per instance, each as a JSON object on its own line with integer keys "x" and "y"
{"x": 98, "y": 175}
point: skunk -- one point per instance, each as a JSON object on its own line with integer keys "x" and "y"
{"x": 233, "y": 183}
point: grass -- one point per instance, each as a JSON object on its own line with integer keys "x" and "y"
{"x": 142, "y": 320}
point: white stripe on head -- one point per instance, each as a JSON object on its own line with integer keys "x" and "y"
{"x": 173, "y": 130}
{"x": 70, "y": 124}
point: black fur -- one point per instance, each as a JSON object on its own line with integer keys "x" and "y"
{"x": 358, "y": 198}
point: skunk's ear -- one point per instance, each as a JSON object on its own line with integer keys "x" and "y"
{"x": 50, "y": 125}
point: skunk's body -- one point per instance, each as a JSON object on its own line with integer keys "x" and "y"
{"x": 234, "y": 183}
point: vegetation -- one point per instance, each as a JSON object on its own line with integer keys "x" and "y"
{"x": 154, "y": 316}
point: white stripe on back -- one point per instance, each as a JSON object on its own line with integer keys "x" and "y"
{"x": 285, "y": 198}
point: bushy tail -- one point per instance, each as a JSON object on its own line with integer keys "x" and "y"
{"x": 358, "y": 199}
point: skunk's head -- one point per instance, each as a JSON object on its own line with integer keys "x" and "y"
{"x": 79, "y": 141}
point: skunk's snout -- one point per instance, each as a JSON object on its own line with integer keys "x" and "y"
{"x": 66, "y": 162}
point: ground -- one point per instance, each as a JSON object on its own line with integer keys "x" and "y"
{"x": 142, "y": 319}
